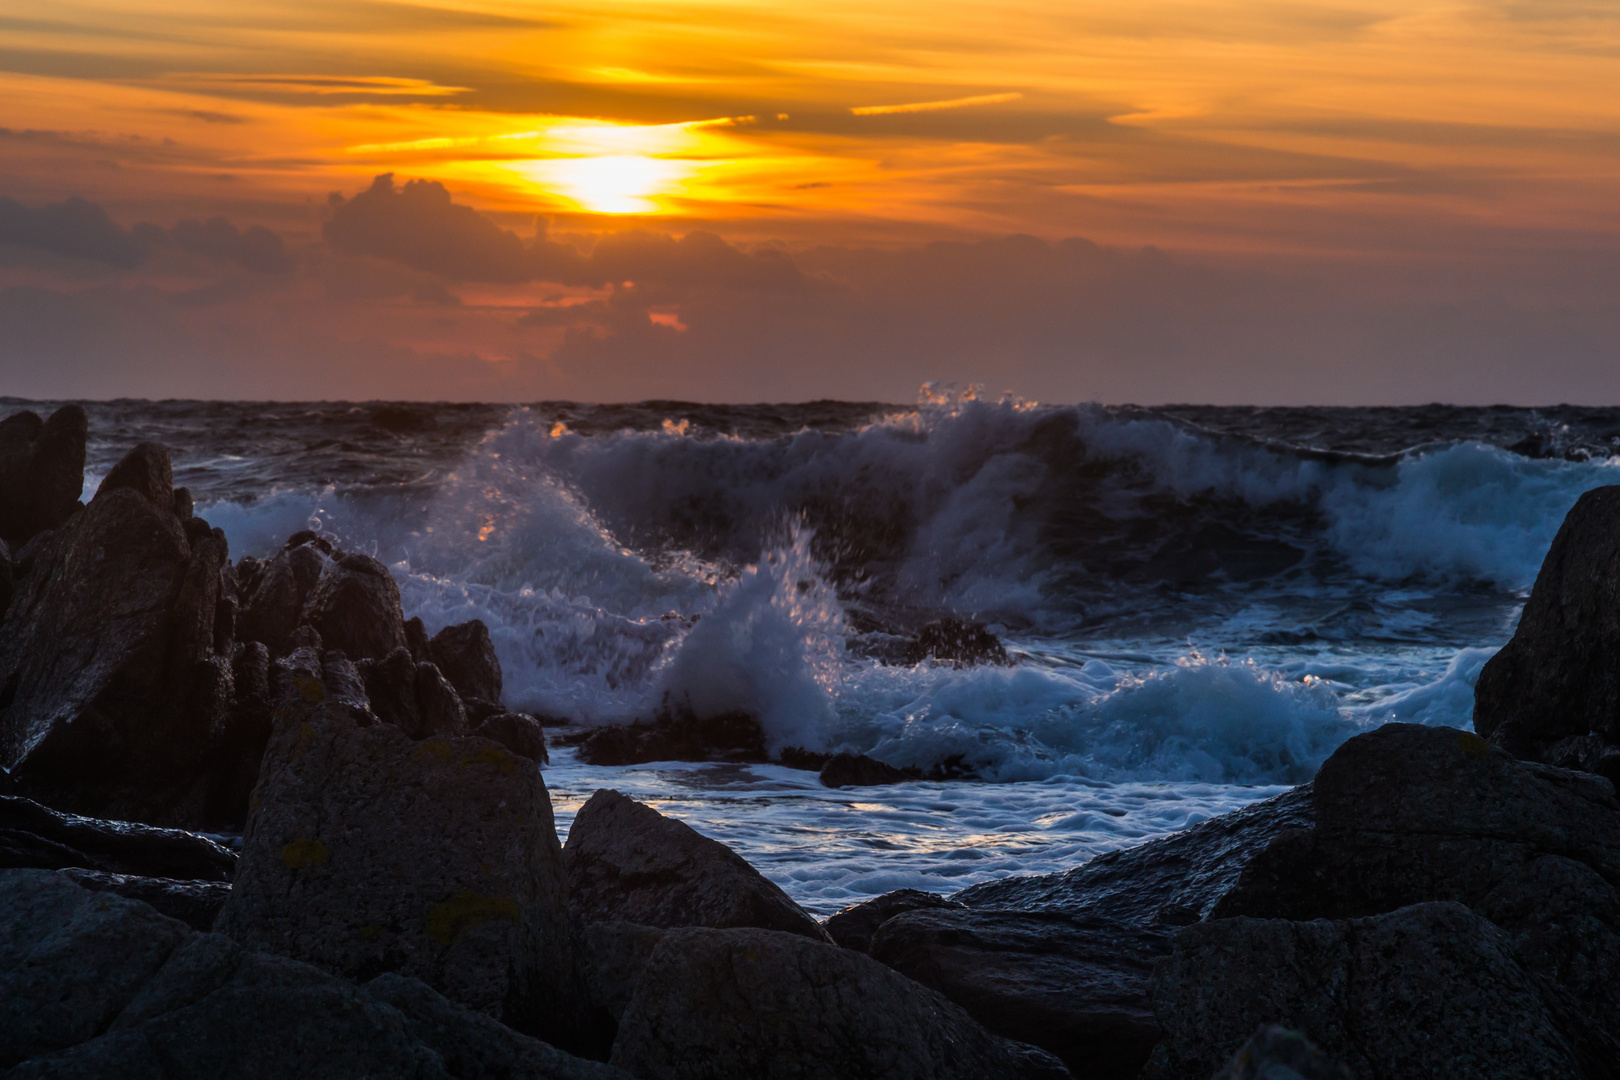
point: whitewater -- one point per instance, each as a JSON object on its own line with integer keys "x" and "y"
{"x": 1198, "y": 604}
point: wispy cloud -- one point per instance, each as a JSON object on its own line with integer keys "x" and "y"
{"x": 936, "y": 106}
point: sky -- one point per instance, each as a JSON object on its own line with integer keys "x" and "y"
{"x": 1267, "y": 202}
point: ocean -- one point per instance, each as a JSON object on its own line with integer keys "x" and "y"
{"x": 1198, "y": 603}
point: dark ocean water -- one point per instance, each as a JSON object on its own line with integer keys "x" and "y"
{"x": 1200, "y": 602}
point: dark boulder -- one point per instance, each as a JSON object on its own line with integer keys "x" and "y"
{"x": 391, "y": 689}
{"x": 734, "y": 736}
{"x": 1557, "y": 678}
{"x": 416, "y": 639}
{"x": 274, "y": 592}
{"x": 195, "y": 903}
{"x": 756, "y": 1004}
{"x": 955, "y": 641}
{"x": 858, "y": 770}
{"x": 438, "y": 709}
{"x": 147, "y": 471}
{"x": 1431, "y": 990}
{"x": 1076, "y": 988}
{"x": 475, "y": 1047}
{"x": 367, "y": 851}
{"x": 1172, "y": 880}
{"x": 355, "y": 607}
{"x": 41, "y": 471}
{"x": 519, "y": 733}
{"x": 466, "y": 656}
{"x": 627, "y": 862}
{"x": 854, "y": 926}
{"x": 32, "y": 835}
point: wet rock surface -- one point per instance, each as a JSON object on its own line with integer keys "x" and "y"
{"x": 756, "y": 1003}
{"x": 1173, "y": 880}
{"x": 858, "y": 770}
{"x": 627, "y": 862}
{"x": 195, "y": 903}
{"x": 1076, "y": 988}
{"x": 370, "y": 852}
{"x": 36, "y": 836}
{"x": 735, "y": 737}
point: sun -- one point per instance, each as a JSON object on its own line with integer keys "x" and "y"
{"x": 608, "y": 183}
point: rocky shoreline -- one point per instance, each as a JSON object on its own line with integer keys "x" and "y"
{"x": 1435, "y": 903}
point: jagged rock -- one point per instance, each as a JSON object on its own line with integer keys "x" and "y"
{"x": 344, "y": 685}
{"x": 858, "y": 770}
{"x": 355, "y": 607}
{"x": 41, "y": 471}
{"x": 32, "y": 835}
{"x": 195, "y": 903}
{"x": 276, "y": 591}
{"x": 1556, "y": 677}
{"x": 626, "y": 861}
{"x": 438, "y": 709}
{"x": 113, "y": 691}
{"x": 185, "y": 507}
{"x": 1172, "y": 880}
{"x": 730, "y": 1004}
{"x": 728, "y": 737}
{"x": 416, "y": 639}
{"x": 1076, "y": 988}
{"x": 1278, "y": 1053}
{"x": 519, "y": 733}
{"x": 1588, "y": 753}
{"x": 854, "y": 926}
{"x": 474, "y": 1047}
{"x": 955, "y": 641}
{"x": 1430, "y": 990}
{"x": 369, "y": 852}
{"x": 147, "y": 471}
{"x": 391, "y": 689}
{"x": 70, "y": 960}
{"x": 466, "y": 656}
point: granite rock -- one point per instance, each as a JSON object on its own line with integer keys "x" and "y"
{"x": 41, "y": 471}
{"x": 466, "y": 656}
{"x": 854, "y": 926}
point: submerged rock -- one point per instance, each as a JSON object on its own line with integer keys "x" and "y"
{"x": 756, "y": 1004}
{"x": 1430, "y": 990}
{"x": 854, "y": 926}
{"x": 1556, "y": 677}
{"x": 955, "y": 641}
{"x": 369, "y": 852}
{"x": 728, "y": 737}
{"x": 1076, "y": 988}
{"x": 36, "y": 836}
{"x": 858, "y": 770}
{"x": 1172, "y": 880}
{"x": 41, "y": 472}
{"x": 627, "y": 862}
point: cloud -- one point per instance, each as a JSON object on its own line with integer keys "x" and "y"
{"x": 420, "y": 226}
{"x": 74, "y": 229}
{"x": 935, "y": 106}
{"x": 255, "y": 248}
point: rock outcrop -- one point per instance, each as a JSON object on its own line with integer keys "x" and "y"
{"x": 41, "y": 472}
{"x": 627, "y": 862}
{"x": 466, "y": 655}
{"x": 115, "y": 673}
{"x": 1557, "y": 679}
{"x": 94, "y": 985}
{"x": 735, "y": 737}
{"x": 1430, "y": 990}
{"x": 858, "y": 770}
{"x": 734, "y": 1004}
{"x": 368, "y": 852}
{"x": 1076, "y": 988}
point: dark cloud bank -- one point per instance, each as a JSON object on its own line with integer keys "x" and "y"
{"x": 375, "y": 311}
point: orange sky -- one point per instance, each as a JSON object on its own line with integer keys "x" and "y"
{"x": 1198, "y": 125}
{"x": 1470, "y": 149}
